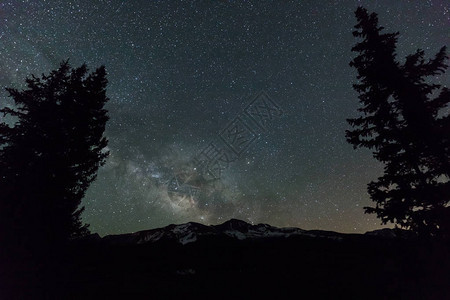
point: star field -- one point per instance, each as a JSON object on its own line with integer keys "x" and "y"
{"x": 180, "y": 71}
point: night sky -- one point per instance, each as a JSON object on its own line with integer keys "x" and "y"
{"x": 182, "y": 74}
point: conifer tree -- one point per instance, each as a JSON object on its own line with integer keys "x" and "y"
{"x": 51, "y": 153}
{"x": 405, "y": 123}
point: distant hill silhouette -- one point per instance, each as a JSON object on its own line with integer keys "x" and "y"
{"x": 234, "y": 229}
{"x": 236, "y": 260}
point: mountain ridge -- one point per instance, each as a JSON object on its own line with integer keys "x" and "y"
{"x": 234, "y": 258}
{"x": 191, "y": 232}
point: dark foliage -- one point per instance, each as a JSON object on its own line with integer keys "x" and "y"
{"x": 49, "y": 154}
{"x": 357, "y": 267}
{"x": 405, "y": 123}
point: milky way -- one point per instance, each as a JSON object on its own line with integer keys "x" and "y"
{"x": 180, "y": 72}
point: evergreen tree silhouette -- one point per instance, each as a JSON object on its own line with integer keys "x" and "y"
{"x": 404, "y": 122}
{"x": 51, "y": 154}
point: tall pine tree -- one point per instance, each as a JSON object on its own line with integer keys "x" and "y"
{"x": 51, "y": 154}
{"x": 405, "y": 123}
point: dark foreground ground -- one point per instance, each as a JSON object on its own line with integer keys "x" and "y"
{"x": 358, "y": 267}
